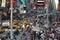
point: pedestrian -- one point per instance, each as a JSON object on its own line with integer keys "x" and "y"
{"x": 32, "y": 35}
{"x": 15, "y": 37}
{"x": 23, "y": 37}
{"x": 16, "y": 32}
{"x": 39, "y": 36}
{"x": 52, "y": 35}
{"x": 57, "y": 29}
{"x": 47, "y": 32}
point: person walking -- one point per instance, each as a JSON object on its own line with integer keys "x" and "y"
{"x": 39, "y": 36}
{"x": 23, "y": 37}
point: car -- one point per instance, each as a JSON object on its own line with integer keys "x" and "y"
{"x": 26, "y": 22}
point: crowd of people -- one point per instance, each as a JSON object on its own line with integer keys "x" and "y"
{"x": 49, "y": 33}
{"x": 26, "y": 32}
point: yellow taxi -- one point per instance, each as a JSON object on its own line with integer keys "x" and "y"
{"x": 26, "y": 22}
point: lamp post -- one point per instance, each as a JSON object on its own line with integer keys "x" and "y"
{"x": 0, "y": 18}
{"x": 47, "y": 11}
{"x": 11, "y": 17}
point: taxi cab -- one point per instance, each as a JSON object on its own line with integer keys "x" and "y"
{"x": 26, "y": 22}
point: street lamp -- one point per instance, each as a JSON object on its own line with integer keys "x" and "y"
{"x": 47, "y": 11}
{"x": 11, "y": 17}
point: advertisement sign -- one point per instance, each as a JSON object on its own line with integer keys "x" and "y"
{"x": 40, "y": 4}
{"x": 3, "y": 4}
{"x": 23, "y": 1}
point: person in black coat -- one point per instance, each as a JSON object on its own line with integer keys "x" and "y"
{"x": 39, "y": 36}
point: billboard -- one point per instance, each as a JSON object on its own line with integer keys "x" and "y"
{"x": 23, "y": 1}
{"x": 40, "y": 4}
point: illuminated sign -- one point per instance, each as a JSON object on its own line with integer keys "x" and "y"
{"x": 23, "y": 1}
{"x": 3, "y": 3}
